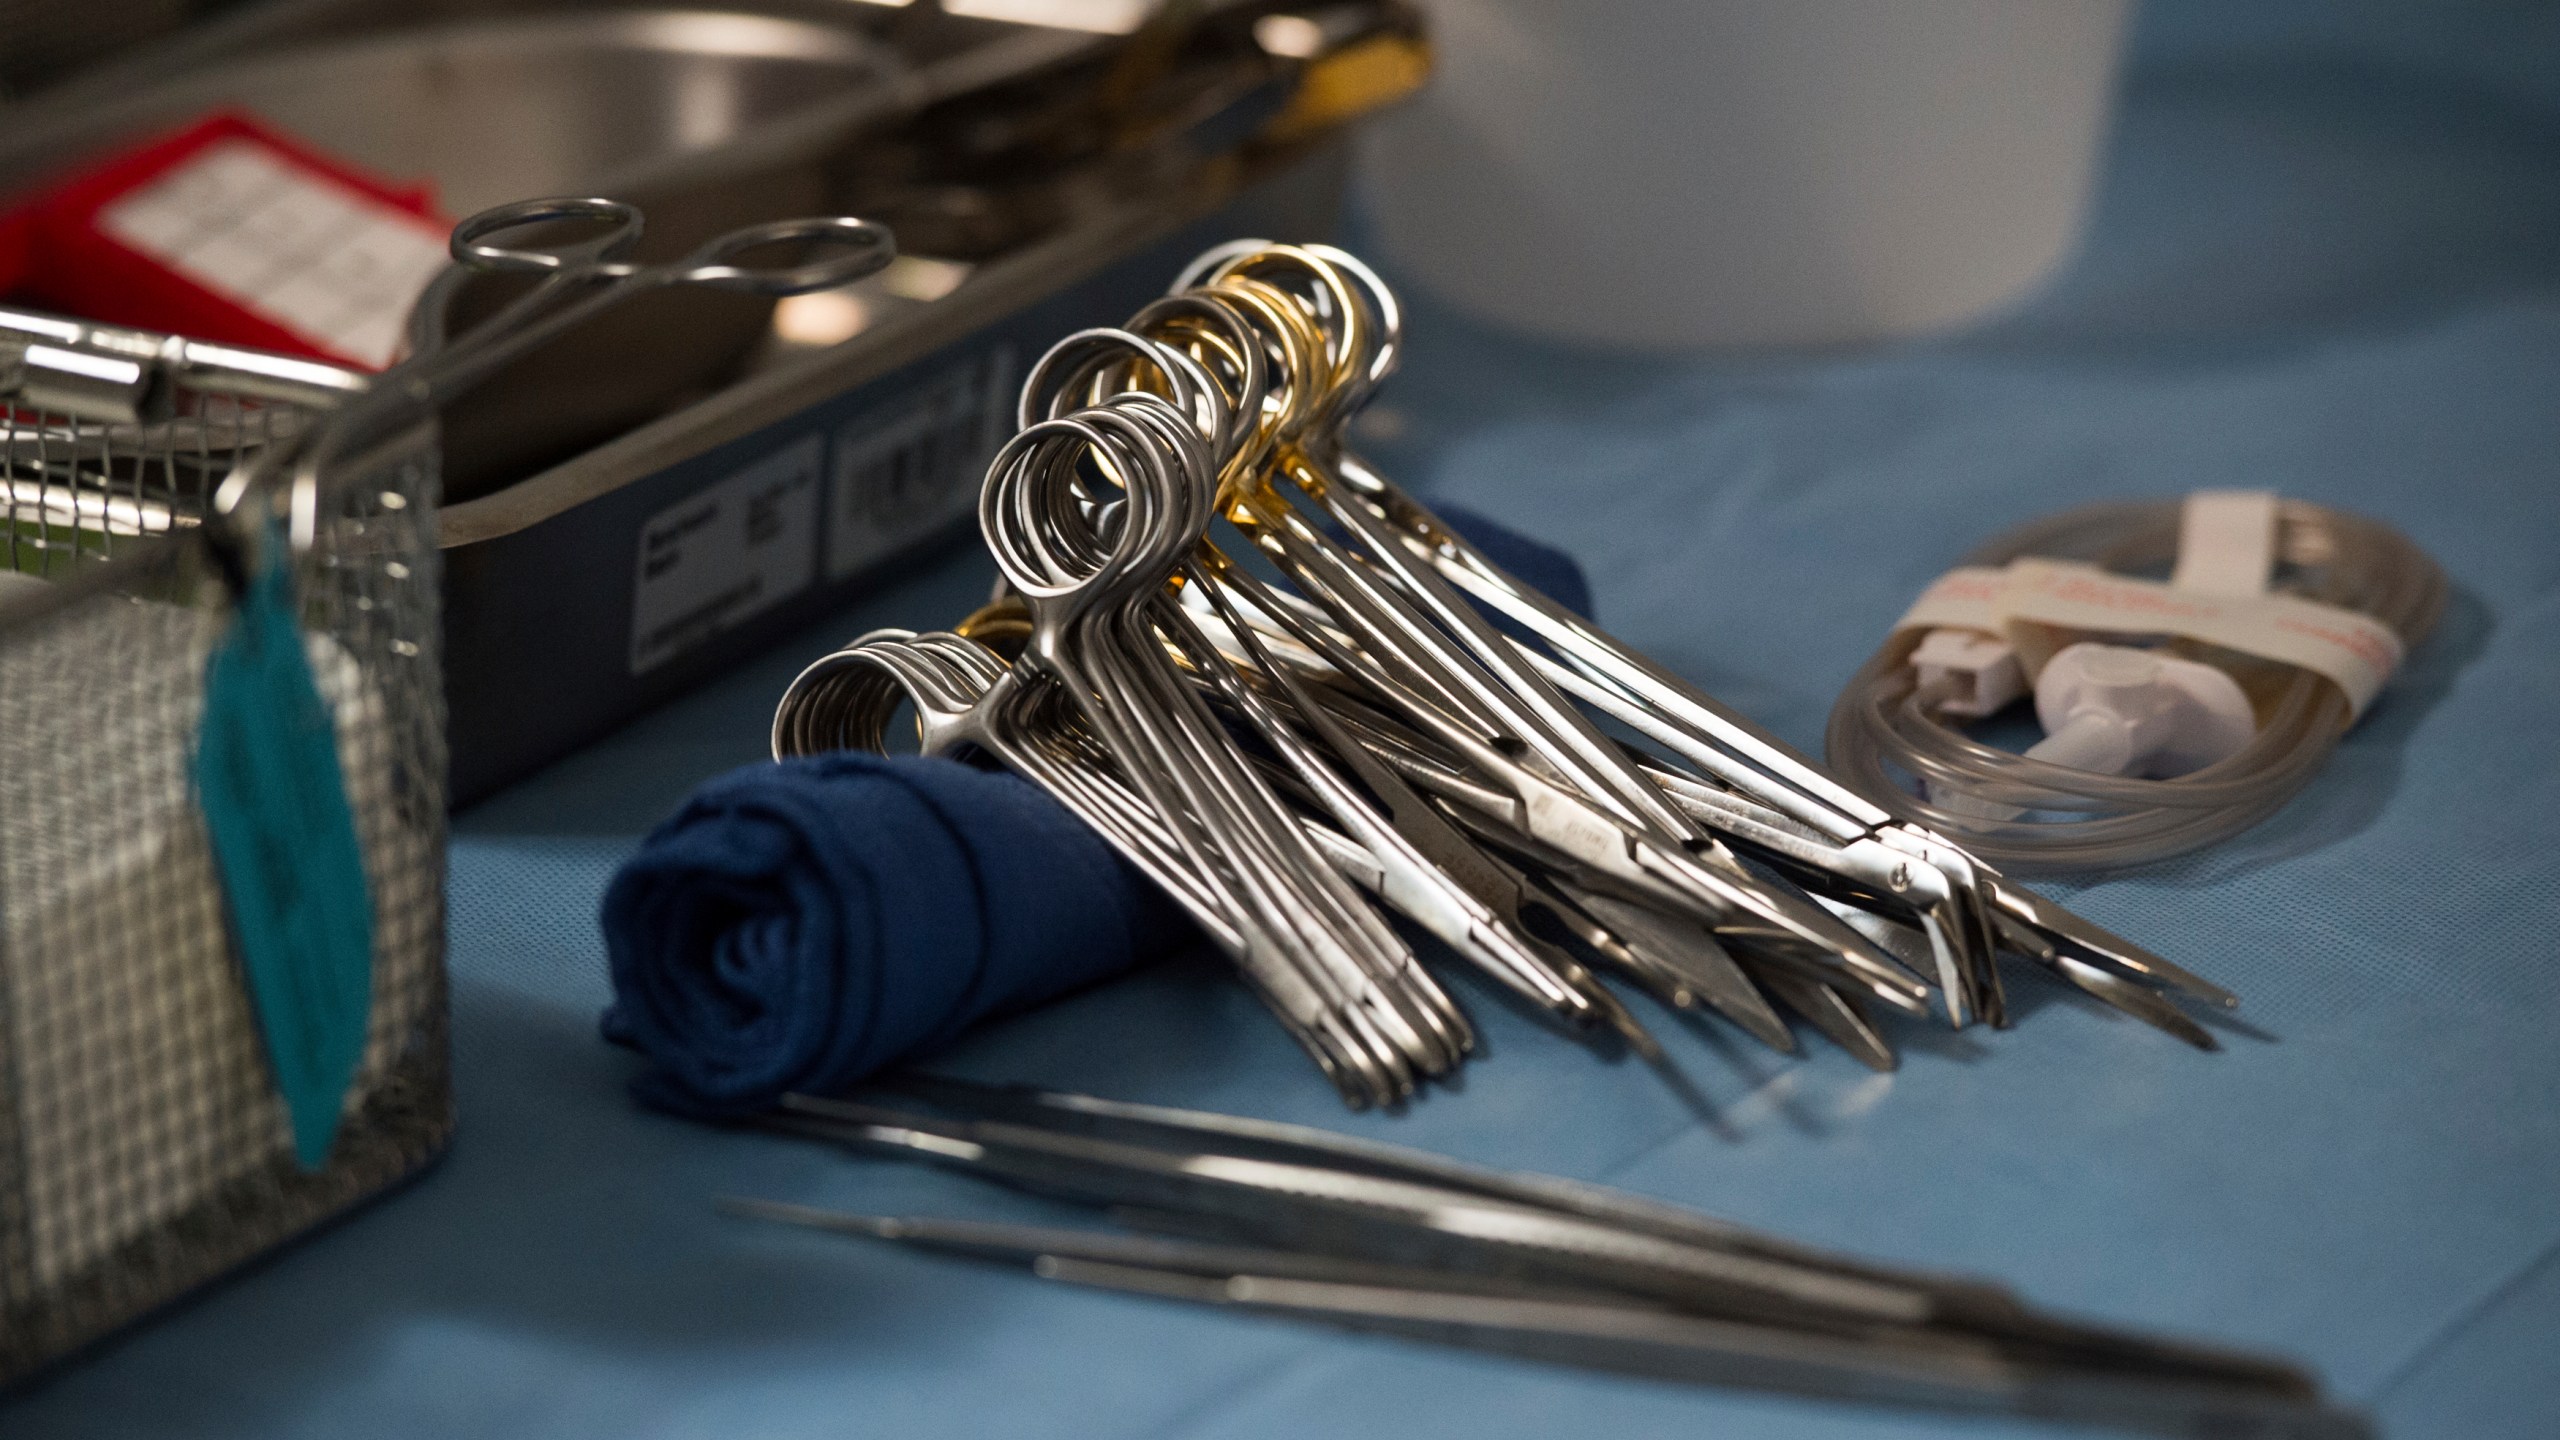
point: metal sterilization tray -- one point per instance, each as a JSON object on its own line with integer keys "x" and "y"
{"x": 656, "y": 499}
{"x": 631, "y": 574}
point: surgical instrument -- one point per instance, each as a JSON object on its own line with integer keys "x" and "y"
{"x": 1300, "y": 1222}
{"x": 1300, "y": 701}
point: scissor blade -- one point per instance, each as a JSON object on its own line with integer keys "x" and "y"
{"x": 1730, "y": 909}
{"x": 1836, "y": 1016}
{"x": 2095, "y": 942}
{"x": 1878, "y": 970}
{"x": 1730, "y": 899}
{"x": 1970, "y": 1307}
{"x": 1692, "y": 954}
{"x": 2110, "y": 988}
{"x": 2145, "y": 1005}
{"x": 1620, "y": 1020}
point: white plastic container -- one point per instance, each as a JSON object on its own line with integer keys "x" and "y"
{"x": 1667, "y": 174}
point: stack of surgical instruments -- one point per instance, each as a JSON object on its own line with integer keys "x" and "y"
{"x": 1336, "y": 709}
{"x": 1292, "y": 1221}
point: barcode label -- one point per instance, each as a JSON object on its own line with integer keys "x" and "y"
{"x": 911, "y": 465}
{"x": 333, "y": 265}
{"x": 736, "y": 549}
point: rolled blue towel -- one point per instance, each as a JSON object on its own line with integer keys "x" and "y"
{"x": 800, "y": 925}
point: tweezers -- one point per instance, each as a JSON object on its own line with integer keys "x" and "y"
{"x": 1305, "y": 1223}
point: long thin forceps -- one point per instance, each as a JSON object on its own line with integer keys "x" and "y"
{"x": 1293, "y": 1221}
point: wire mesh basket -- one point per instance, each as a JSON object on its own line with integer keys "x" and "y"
{"x": 143, "y": 1145}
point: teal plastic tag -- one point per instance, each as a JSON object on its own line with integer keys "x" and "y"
{"x": 284, "y": 846}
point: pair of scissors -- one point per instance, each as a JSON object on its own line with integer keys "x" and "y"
{"x": 582, "y": 276}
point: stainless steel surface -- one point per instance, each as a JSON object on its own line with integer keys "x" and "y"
{"x": 109, "y": 435}
{"x": 143, "y": 1147}
{"x": 579, "y": 254}
{"x": 992, "y": 142}
{"x": 676, "y": 109}
{"x": 181, "y": 362}
{"x": 503, "y": 109}
{"x": 561, "y": 544}
{"x": 1290, "y": 1221}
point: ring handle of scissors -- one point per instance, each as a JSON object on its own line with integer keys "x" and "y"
{"x": 851, "y": 249}
{"x": 582, "y": 278}
{"x": 471, "y": 247}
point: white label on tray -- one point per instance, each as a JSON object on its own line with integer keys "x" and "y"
{"x": 911, "y": 465}
{"x": 292, "y": 246}
{"x": 729, "y": 552}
